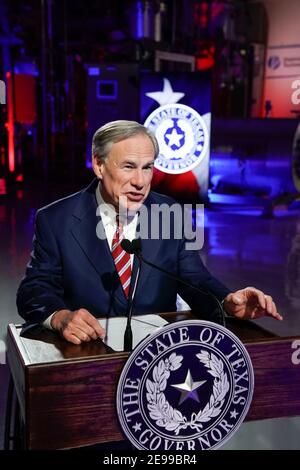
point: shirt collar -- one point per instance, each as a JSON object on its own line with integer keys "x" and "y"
{"x": 107, "y": 211}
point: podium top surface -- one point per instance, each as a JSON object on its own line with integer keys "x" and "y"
{"x": 41, "y": 346}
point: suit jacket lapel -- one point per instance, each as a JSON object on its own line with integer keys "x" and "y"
{"x": 150, "y": 248}
{"x": 85, "y": 227}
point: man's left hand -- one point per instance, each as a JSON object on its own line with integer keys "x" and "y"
{"x": 250, "y": 303}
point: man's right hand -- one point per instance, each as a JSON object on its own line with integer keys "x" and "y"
{"x": 78, "y": 326}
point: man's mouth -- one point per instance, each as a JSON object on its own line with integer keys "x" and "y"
{"x": 133, "y": 196}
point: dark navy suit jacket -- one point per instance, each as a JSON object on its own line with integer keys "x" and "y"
{"x": 71, "y": 268}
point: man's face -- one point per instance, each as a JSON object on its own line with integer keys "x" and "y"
{"x": 127, "y": 172}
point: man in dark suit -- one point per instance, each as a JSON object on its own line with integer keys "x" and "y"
{"x": 78, "y": 270}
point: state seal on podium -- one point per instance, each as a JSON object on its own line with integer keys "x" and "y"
{"x": 188, "y": 387}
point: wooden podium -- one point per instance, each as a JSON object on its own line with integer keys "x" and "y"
{"x": 67, "y": 393}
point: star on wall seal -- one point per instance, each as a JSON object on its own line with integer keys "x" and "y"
{"x": 188, "y": 386}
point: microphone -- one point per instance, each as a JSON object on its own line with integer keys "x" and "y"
{"x": 135, "y": 248}
{"x": 126, "y": 245}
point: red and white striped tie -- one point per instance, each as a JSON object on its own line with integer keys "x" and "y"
{"x": 122, "y": 259}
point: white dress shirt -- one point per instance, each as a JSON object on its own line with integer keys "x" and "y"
{"x": 108, "y": 216}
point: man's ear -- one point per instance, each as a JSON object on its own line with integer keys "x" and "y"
{"x": 97, "y": 166}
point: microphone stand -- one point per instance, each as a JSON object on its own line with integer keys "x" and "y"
{"x": 128, "y": 330}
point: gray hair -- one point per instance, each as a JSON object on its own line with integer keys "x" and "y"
{"x": 114, "y": 132}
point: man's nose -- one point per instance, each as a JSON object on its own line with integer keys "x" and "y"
{"x": 138, "y": 178}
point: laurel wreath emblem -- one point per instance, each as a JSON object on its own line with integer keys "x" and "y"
{"x": 172, "y": 419}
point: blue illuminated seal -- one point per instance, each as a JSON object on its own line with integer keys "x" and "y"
{"x": 182, "y": 136}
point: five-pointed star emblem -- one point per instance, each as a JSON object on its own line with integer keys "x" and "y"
{"x": 137, "y": 427}
{"x": 167, "y": 95}
{"x": 188, "y": 388}
{"x": 174, "y": 138}
{"x": 233, "y": 414}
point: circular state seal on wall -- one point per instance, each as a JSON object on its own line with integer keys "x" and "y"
{"x": 188, "y": 386}
{"x": 182, "y": 137}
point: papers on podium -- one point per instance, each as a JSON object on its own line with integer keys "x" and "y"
{"x": 142, "y": 326}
